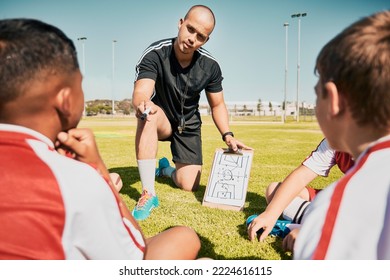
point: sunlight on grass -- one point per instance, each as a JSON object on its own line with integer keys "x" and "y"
{"x": 278, "y": 149}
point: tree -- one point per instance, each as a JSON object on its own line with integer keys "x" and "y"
{"x": 244, "y": 109}
{"x": 125, "y": 106}
{"x": 259, "y": 106}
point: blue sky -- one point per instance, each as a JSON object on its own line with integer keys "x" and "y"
{"x": 248, "y": 41}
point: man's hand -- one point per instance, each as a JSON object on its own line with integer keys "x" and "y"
{"x": 234, "y": 144}
{"x": 147, "y": 107}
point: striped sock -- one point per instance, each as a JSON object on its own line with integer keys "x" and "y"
{"x": 295, "y": 210}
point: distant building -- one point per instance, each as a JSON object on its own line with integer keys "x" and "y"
{"x": 248, "y": 108}
{"x": 255, "y": 108}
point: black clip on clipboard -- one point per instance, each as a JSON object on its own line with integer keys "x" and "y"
{"x": 230, "y": 151}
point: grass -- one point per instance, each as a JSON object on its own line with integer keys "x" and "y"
{"x": 279, "y": 148}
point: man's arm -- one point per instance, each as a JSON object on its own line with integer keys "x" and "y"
{"x": 221, "y": 119}
{"x": 143, "y": 90}
{"x": 219, "y": 111}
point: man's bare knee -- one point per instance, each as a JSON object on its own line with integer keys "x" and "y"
{"x": 187, "y": 183}
{"x": 190, "y": 188}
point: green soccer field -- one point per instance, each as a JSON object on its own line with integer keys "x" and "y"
{"x": 278, "y": 149}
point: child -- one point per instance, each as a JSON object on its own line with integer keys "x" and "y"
{"x": 293, "y": 196}
{"x": 351, "y": 218}
{"x": 54, "y": 206}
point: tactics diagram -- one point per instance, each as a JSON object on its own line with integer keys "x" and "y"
{"x": 229, "y": 177}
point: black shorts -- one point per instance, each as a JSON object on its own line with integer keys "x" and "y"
{"x": 186, "y": 147}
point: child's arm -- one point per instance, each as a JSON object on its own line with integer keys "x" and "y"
{"x": 287, "y": 191}
{"x": 80, "y": 144}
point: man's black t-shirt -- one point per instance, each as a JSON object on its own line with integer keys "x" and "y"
{"x": 177, "y": 89}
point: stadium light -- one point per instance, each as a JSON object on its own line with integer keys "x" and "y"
{"x": 286, "y": 24}
{"x": 298, "y": 15}
{"x": 113, "y": 76}
{"x": 83, "y": 39}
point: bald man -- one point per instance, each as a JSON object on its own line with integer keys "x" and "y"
{"x": 170, "y": 76}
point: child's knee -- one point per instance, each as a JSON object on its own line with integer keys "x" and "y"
{"x": 270, "y": 191}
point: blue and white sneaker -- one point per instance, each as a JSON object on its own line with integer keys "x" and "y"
{"x": 162, "y": 163}
{"x": 250, "y": 219}
{"x": 145, "y": 205}
{"x": 280, "y": 228}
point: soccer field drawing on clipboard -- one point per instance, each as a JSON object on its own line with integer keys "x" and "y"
{"x": 228, "y": 179}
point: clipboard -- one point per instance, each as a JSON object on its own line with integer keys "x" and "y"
{"x": 228, "y": 180}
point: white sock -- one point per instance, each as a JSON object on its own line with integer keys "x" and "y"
{"x": 147, "y": 169}
{"x": 295, "y": 210}
{"x": 293, "y": 226}
{"x": 168, "y": 171}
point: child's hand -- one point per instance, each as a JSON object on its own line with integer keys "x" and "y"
{"x": 260, "y": 227}
{"x": 79, "y": 144}
{"x": 289, "y": 240}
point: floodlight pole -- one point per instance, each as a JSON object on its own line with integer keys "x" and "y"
{"x": 82, "y": 39}
{"x": 286, "y": 24}
{"x": 299, "y": 15}
{"x": 113, "y": 76}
